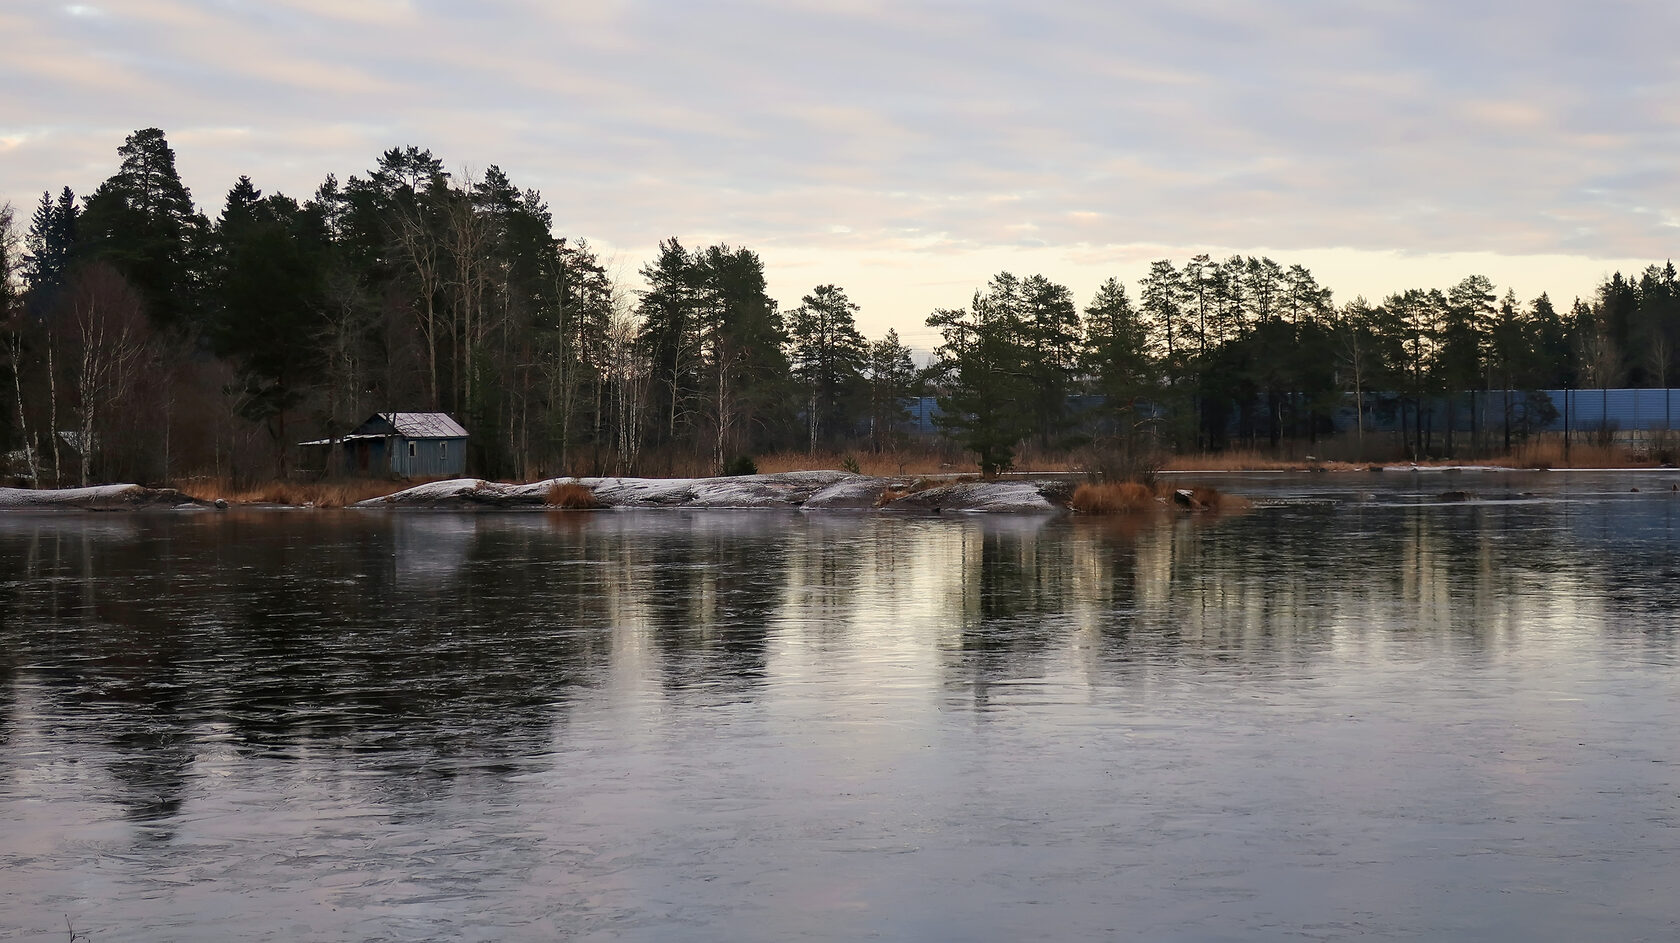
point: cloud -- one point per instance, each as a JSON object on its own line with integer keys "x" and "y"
{"x": 972, "y": 131}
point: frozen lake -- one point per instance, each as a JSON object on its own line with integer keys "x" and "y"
{"x": 1355, "y": 711}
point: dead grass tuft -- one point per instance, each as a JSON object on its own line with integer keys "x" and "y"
{"x": 572, "y": 496}
{"x": 1114, "y": 497}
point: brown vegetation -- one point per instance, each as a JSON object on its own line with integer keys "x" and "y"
{"x": 1234, "y": 460}
{"x": 1213, "y": 499}
{"x": 1549, "y": 453}
{"x": 1114, "y": 497}
{"x": 1131, "y": 497}
{"x": 889, "y": 464}
{"x": 321, "y": 494}
{"x": 571, "y": 496}
{"x": 893, "y": 492}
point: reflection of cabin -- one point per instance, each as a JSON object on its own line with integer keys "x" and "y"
{"x": 409, "y": 445}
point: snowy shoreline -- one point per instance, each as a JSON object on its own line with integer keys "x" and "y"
{"x": 807, "y": 491}
{"x": 802, "y": 491}
{"x": 97, "y": 498}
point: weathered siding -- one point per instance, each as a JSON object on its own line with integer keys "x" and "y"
{"x": 428, "y": 458}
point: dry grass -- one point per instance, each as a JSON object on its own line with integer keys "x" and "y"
{"x": 321, "y": 494}
{"x": 876, "y": 464}
{"x": 1539, "y": 453}
{"x": 1548, "y": 453}
{"x": 571, "y": 496}
{"x": 1235, "y": 460}
{"x": 1114, "y": 497}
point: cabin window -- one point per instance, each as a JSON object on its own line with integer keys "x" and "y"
{"x": 411, "y": 450}
{"x": 443, "y": 451}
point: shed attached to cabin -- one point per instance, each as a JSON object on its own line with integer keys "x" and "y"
{"x": 408, "y": 445}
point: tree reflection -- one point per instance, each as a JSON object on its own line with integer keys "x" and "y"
{"x": 712, "y": 590}
{"x": 440, "y": 646}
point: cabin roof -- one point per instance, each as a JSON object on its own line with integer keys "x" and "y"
{"x": 425, "y": 425}
{"x": 407, "y": 425}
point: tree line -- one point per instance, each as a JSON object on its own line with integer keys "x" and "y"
{"x": 146, "y": 341}
{"x": 143, "y": 340}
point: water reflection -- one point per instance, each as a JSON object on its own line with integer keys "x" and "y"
{"x": 470, "y": 633}
{"x": 587, "y": 701}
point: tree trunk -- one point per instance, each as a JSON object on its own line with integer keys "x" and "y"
{"x": 52, "y": 411}
{"x": 15, "y": 342}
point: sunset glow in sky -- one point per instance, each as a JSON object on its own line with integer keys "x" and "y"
{"x": 907, "y": 151}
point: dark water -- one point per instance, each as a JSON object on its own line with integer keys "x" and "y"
{"x": 1385, "y": 717}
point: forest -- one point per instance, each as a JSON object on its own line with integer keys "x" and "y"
{"x": 146, "y": 342}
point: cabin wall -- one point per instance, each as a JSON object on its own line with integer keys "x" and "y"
{"x": 360, "y": 457}
{"x": 428, "y": 458}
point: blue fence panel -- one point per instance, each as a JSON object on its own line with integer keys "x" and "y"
{"x": 1621, "y": 410}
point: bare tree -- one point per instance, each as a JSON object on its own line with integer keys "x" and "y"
{"x": 628, "y": 375}
{"x": 467, "y": 234}
{"x": 421, "y": 251}
{"x": 111, "y": 335}
{"x": 12, "y": 320}
{"x": 1659, "y": 353}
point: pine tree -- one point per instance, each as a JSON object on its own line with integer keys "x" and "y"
{"x": 743, "y": 334}
{"x": 268, "y": 303}
{"x": 987, "y": 401}
{"x": 1116, "y": 360}
{"x": 892, "y": 379}
{"x": 670, "y": 338}
{"x": 142, "y": 221}
{"x": 827, "y": 356}
{"x": 1050, "y": 337}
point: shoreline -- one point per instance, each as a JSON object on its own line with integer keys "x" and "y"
{"x": 1047, "y": 492}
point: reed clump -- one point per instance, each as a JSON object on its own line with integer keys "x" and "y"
{"x": 1550, "y": 453}
{"x": 1212, "y": 499}
{"x": 571, "y": 496}
{"x": 1114, "y": 497}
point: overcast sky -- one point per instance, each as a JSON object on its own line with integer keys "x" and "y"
{"x": 907, "y": 151}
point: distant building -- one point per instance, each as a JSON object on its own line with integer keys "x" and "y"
{"x": 407, "y": 445}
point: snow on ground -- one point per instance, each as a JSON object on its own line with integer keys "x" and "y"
{"x": 813, "y": 490}
{"x": 439, "y": 491}
{"x": 96, "y": 498}
{"x": 852, "y": 494}
{"x": 979, "y": 496}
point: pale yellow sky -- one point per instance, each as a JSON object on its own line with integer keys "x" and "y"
{"x": 908, "y": 151}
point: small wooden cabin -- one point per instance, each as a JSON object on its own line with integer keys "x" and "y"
{"x": 407, "y": 445}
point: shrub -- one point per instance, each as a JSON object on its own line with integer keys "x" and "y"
{"x": 740, "y": 465}
{"x": 1113, "y": 497}
{"x": 572, "y": 496}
